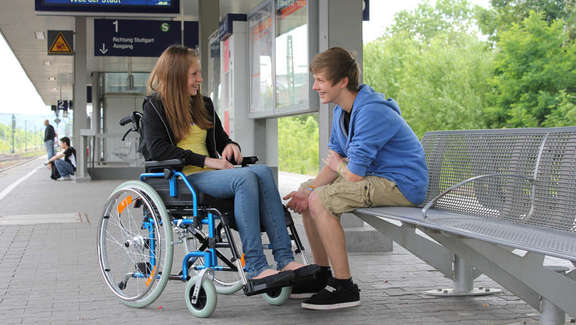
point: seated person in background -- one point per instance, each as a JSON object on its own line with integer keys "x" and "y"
{"x": 179, "y": 123}
{"x": 374, "y": 159}
{"x": 63, "y": 164}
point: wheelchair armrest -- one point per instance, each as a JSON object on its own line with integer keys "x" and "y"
{"x": 161, "y": 164}
{"x": 249, "y": 161}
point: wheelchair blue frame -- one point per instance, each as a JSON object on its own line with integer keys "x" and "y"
{"x": 209, "y": 256}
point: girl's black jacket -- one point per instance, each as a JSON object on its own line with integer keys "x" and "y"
{"x": 160, "y": 144}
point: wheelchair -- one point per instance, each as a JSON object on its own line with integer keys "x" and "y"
{"x": 143, "y": 220}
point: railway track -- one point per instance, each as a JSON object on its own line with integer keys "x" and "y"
{"x": 8, "y": 161}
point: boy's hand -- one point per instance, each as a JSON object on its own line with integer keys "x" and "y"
{"x": 333, "y": 160}
{"x": 298, "y": 200}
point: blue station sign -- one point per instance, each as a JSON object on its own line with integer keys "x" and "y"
{"x": 141, "y": 38}
{"x": 116, "y": 6}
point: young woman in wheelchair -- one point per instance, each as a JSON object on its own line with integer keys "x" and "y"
{"x": 179, "y": 123}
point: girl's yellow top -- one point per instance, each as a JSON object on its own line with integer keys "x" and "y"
{"x": 195, "y": 141}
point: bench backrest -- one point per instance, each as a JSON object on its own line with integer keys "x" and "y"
{"x": 545, "y": 155}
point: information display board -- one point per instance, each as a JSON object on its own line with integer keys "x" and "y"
{"x": 108, "y": 6}
{"x": 144, "y": 38}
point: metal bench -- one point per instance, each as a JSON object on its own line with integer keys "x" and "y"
{"x": 498, "y": 203}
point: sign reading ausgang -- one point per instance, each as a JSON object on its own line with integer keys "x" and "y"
{"x": 144, "y": 38}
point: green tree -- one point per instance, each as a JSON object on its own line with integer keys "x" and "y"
{"x": 22, "y": 140}
{"x": 298, "y": 144}
{"x": 565, "y": 113}
{"x": 427, "y": 21}
{"x": 503, "y": 14}
{"x": 434, "y": 65}
{"x": 535, "y": 74}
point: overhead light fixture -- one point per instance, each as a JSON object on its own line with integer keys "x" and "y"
{"x": 46, "y": 62}
{"x": 54, "y": 89}
{"x": 51, "y": 78}
{"x": 39, "y": 35}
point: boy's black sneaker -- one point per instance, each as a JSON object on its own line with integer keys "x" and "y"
{"x": 334, "y": 296}
{"x": 306, "y": 287}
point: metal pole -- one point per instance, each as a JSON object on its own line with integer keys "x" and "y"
{"x": 464, "y": 281}
{"x": 551, "y": 314}
{"x": 13, "y": 132}
{"x": 25, "y": 136}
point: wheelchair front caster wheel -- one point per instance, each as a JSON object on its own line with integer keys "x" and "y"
{"x": 206, "y": 302}
{"x": 277, "y": 296}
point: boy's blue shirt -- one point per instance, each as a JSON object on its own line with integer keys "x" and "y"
{"x": 381, "y": 144}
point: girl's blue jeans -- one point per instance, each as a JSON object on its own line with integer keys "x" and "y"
{"x": 256, "y": 201}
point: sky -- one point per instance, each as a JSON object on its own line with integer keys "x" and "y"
{"x": 19, "y": 95}
{"x": 16, "y": 90}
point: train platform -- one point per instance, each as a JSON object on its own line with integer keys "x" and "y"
{"x": 49, "y": 272}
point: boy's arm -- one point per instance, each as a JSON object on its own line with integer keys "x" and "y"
{"x": 299, "y": 199}
{"x": 339, "y": 165}
{"x": 56, "y": 157}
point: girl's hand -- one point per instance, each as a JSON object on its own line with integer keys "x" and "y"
{"x": 217, "y": 163}
{"x": 232, "y": 152}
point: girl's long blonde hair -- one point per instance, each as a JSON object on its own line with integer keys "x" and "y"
{"x": 169, "y": 79}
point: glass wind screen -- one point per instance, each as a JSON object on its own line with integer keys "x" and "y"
{"x": 292, "y": 77}
{"x": 261, "y": 32}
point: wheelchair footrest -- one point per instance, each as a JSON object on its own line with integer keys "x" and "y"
{"x": 307, "y": 271}
{"x": 258, "y": 286}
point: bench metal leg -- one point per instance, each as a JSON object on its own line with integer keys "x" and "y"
{"x": 525, "y": 276}
{"x": 550, "y": 313}
{"x": 463, "y": 282}
{"x": 435, "y": 255}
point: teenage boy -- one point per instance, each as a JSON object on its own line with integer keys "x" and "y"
{"x": 374, "y": 159}
{"x": 64, "y": 162}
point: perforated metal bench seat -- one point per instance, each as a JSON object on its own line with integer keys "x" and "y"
{"x": 490, "y": 190}
{"x": 548, "y": 242}
{"x": 515, "y": 187}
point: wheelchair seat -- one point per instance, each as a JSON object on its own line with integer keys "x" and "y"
{"x": 182, "y": 203}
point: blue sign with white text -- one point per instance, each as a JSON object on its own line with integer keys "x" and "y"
{"x": 121, "y": 6}
{"x": 141, "y": 38}
{"x": 111, "y": 2}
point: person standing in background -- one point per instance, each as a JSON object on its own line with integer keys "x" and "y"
{"x": 49, "y": 135}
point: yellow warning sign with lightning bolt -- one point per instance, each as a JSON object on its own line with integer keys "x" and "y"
{"x": 60, "y": 45}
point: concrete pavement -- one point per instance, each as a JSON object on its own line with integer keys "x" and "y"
{"x": 49, "y": 273}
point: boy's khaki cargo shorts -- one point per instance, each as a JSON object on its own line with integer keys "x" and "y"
{"x": 342, "y": 196}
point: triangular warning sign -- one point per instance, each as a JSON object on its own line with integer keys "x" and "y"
{"x": 60, "y": 45}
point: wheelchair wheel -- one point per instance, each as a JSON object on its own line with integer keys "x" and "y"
{"x": 277, "y": 296}
{"x": 225, "y": 282}
{"x": 135, "y": 244}
{"x": 206, "y": 301}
